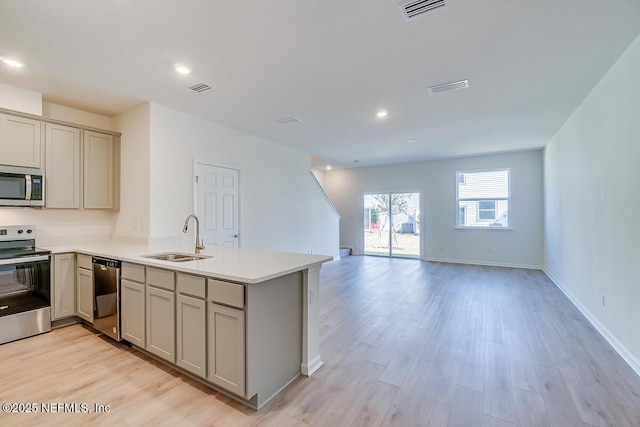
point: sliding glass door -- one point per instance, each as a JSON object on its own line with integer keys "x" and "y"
{"x": 392, "y": 224}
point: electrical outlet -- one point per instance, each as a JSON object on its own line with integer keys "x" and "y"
{"x": 602, "y": 296}
{"x": 488, "y": 250}
{"x": 441, "y": 248}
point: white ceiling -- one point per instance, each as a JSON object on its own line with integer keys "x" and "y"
{"x": 332, "y": 64}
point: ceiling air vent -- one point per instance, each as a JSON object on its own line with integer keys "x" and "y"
{"x": 200, "y": 87}
{"x": 462, "y": 84}
{"x": 413, "y": 9}
{"x": 287, "y": 121}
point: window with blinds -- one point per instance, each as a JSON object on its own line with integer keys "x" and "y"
{"x": 483, "y": 199}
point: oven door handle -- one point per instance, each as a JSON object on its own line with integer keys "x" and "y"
{"x": 24, "y": 260}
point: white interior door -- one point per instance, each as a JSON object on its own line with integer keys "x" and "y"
{"x": 217, "y": 204}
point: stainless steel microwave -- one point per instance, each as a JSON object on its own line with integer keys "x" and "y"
{"x": 21, "y": 186}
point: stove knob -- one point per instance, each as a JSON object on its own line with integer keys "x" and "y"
{"x": 20, "y": 231}
{"x": 29, "y": 231}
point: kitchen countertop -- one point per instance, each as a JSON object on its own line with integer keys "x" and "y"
{"x": 242, "y": 265}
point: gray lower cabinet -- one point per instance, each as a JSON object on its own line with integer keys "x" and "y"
{"x": 132, "y": 312}
{"x": 226, "y": 348}
{"x": 63, "y": 295}
{"x": 84, "y": 285}
{"x": 191, "y": 334}
{"x": 161, "y": 327}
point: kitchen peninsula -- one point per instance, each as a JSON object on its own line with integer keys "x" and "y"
{"x": 242, "y": 321}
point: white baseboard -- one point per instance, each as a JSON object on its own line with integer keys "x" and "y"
{"x": 313, "y": 366}
{"x": 489, "y": 264}
{"x": 611, "y": 339}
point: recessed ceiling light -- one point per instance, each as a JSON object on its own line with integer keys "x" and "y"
{"x": 411, "y": 141}
{"x": 382, "y": 113}
{"x": 328, "y": 167}
{"x": 12, "y": 62}
{"x": 182, "y": 69}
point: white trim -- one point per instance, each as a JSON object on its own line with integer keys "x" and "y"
{"x": 484, "y": 170}
{"x": 311, "y": 359}
{"x": 487, "y": 263}
{"x": 611, "y": 339}
{"x": 324, "y": 193}
{"x": 314, "y": 365}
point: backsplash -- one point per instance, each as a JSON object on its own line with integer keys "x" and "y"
{"x": 61, "y": 227}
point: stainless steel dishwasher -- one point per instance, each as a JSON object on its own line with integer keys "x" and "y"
{"x": 106, "y": 294}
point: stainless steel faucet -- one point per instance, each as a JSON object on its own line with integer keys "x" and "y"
{"x": 199, "y": 243}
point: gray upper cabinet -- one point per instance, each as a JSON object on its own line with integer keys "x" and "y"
{"x": 98, "y": 170}
{"x": 20, "y": 141}
{"x": 81, "y": 165}
{"x": 62, "y": 165}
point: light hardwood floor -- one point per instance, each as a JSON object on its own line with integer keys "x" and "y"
{"x": 404, "y": 342}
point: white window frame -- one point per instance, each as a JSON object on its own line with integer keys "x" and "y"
{"x": 478, "y": 200}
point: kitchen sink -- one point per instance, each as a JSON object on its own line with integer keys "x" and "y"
{"x": 177, "y": 256}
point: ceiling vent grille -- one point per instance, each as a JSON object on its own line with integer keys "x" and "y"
{"x": 287, "y": 121}
{"x": 449, "y": 86}
{"x": 415, "y": 8}
{"x": 200, "y": 87}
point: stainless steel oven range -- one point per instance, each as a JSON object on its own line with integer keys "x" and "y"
{"x": 25, "y": 278}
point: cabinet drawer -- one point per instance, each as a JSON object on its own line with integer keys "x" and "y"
{"x": 133, "y": 272}
{"x": 191, "y": 285}
{"x": 161, "y": 278}
{"x": 84, "y": 261}
{"x": 225, "y": 293}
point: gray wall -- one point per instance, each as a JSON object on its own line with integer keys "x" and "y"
{"x": 436, "y": 180}
{"x": 592, "y": 239}
{"x": 281, "y": 207}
